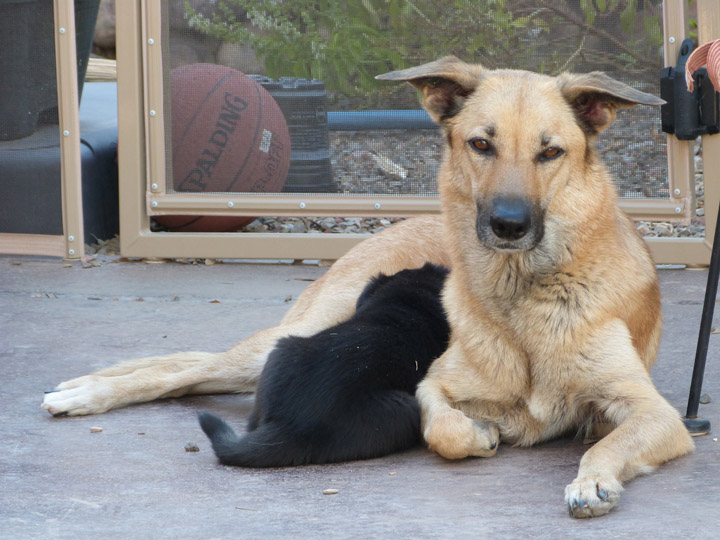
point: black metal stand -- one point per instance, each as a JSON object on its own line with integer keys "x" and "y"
{"x": 689, "y": 115}
{"x": 695, "y": 425}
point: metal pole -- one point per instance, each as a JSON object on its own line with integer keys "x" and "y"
{"x": 695, "y": 425}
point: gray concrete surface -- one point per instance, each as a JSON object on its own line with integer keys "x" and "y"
{"x": 135, "y": 479}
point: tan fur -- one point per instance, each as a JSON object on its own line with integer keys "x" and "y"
{"x": 545, "y": 338}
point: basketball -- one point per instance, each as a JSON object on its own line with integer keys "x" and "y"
{"x": 228, "y": 135}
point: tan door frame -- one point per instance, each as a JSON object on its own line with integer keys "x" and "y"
{"x": 143, "y": 166}
{"x": 140, "y": 117}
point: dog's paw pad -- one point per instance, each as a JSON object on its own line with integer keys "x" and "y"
{"x": 592, "y": 496}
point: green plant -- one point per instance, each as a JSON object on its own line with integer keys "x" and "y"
{"x": 341, "y": 43}
{"x": 346, "y": 43}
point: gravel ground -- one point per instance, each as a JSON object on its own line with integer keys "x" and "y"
{"x": 406, "y": 163}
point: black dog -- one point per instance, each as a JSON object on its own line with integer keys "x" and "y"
{"x": 347, "y": 392}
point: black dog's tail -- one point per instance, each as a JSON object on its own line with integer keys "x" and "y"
{"x": 263, "y": 447}
{"x": 378, "y": 425}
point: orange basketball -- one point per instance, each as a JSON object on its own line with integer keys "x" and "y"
{"x": 229, "y": 135}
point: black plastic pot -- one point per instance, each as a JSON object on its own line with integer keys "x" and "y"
{"x": 304, "y": 105}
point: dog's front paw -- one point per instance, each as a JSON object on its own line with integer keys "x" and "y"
{"x": 592, "y": 496}
{"x": 84, "y": 395}
{"x": 454, "y": 436}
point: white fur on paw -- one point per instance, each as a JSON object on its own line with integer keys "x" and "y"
{"x": 592, "y": 496}
{"x": 84, "y": 395}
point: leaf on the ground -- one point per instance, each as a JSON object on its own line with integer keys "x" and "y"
{"x": 90, "y": 261}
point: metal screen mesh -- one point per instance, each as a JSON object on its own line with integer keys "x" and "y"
{"x": 344, "y": 44}
{"x": 30, "y": 188}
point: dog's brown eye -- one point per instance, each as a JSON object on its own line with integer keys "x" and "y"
{"x": 551, "y": 153}
{"x": 481, "y": 145}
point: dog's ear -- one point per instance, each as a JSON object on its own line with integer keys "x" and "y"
{"x": 445, "y": 84}
{"x": 595, "y": 97}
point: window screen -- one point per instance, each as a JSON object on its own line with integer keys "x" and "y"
{"x": 351, "y": 134}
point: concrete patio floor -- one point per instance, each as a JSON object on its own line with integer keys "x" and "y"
{"x": 135, "y": 479}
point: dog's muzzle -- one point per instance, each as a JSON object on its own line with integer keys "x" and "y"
{"x": 509, "y": 223}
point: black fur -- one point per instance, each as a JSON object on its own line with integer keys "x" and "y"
{"x": 347, "y": 392}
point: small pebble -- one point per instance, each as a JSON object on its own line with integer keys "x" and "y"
{"x": 95, "y": 429}
{"x": 705, "y": 399}
{"x": 714, "y": 439}
{"x": 191, "y": 447}
{"x": 330, "y": 491}
{"x": 393, "y": 474}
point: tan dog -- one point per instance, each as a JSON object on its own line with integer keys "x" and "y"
{"x": 553, "y": 299}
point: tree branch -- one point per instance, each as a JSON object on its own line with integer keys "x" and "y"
{"x": 568, "y": 15}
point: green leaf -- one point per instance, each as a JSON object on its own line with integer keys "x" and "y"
{"x": 541, "y": 24}
{"x": 627, "y": 17}
{"x": 520, "y": 22}
{"x": 653, "y": 32}
{"x": 477, "y": 41}
{"x": 588, "y": 10}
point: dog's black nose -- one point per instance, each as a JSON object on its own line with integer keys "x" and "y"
{"x": 511, "y": 218}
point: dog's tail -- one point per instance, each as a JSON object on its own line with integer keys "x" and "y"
{"x": 262, "y": 447}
